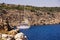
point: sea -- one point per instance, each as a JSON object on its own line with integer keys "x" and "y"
{"x": 43, "y": 32}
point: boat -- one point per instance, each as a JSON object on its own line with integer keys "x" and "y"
{"x": 24, "y": 25}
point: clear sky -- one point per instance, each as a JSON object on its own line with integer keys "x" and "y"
{"x": 39, "y": 3}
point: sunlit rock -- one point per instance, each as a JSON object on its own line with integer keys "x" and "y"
{"x": 20, "y": 36}
{"x": 7, "y": 37}
{"x": 13, "y": 32}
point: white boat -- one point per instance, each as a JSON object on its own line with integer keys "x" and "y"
{"x": 24, "y": 25}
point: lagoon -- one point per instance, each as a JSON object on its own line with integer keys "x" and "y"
{"x": 43, "y": 32}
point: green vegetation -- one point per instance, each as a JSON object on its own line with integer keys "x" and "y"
{"x": 31, "y": 8}
{"x": 11, "y": 6}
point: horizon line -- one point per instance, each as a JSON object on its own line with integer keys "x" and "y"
{"x": 29, "y": 5}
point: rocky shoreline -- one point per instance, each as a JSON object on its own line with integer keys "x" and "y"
{"x": 13, "y": 15}
{"x": 13, "y": 35}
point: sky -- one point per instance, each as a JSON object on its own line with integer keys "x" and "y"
{"x": 38, "y": 3}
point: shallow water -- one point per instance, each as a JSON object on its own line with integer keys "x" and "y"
{"x": 45, "y": 32}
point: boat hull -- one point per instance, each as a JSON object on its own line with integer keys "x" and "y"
{"x": 23, "y": 27}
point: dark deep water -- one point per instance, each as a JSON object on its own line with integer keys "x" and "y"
{"x": 45, "y": 32}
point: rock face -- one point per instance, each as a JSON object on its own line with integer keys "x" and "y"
{"x": 18, "y": 36}
{"x": 13, "y": 15}
{"x": 13, "y": 32}
{"x": 16, "y": 17}
{"x": 7, "y": 37}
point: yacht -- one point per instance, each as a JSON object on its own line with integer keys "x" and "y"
{"x": 24, "y": 25}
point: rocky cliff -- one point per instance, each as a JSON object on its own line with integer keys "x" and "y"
{"x": 13, "y": 15}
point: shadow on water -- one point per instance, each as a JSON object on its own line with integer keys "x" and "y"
{"x": 43, "y": 32}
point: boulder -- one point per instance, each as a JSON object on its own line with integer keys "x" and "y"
{"x": 7, "y": 37}
{"x": 13, "y": 32}
{"x": 20, "y": 36}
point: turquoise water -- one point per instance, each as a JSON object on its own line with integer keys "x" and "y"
{"x": 45, "y": 32}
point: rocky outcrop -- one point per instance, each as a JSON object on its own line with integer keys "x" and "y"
{"x": 10, "y": 16}
{"x": 18, "y": 36}
{"x": 13, "y": 32}
{"x": 7, "y": 37}
{"x": 15, "y": 17}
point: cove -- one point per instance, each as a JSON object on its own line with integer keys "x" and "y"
{"x": 43, "y": 32}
